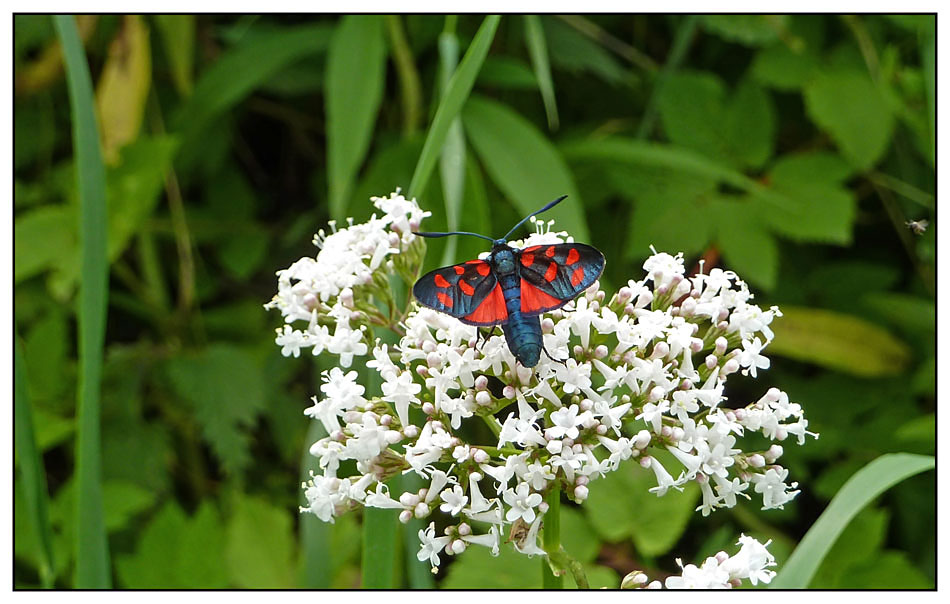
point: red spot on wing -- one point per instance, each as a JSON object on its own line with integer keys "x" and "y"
{"x": 549, "y": 252}
{"x": 573, "y": 256}
{"x": 492, "y": 309}
{"x": 483, "y": 268}
{"x": 551, "y": 273}
{"x": 534, "y": 300}
{"x": 577, "y": 276}
{"x": 459, "y": 269}
{"x": 441, "y": 282}
{"x": 527, "y": 259}
{"x": 444, "y": 299}
{"x": 465, "y": 287}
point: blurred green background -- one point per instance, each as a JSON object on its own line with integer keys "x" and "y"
{"x": 791, "y": 149}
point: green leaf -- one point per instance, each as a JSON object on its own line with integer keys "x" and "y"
{"x": 524, "y": 164}
{"x": 315, "y": 547}
{"x": 838, "y": 341}
{"x": 632, "y": 152}
{"x": 888, "y": 570}
{"x": 696, "y": 114}
{"x": 225, "y": 386}
{"x": 821, "y": 208}
{"x": 177, "y": 552}
{"x": 178, "y": 42}
{"x": 355, "y": 78}
{"x": 869, "y": 482}
{"x": 577, "y": 535}
{"x": 478, "y": 569}
{"x": 32, "y": 473}
{"x": 749, "y": 30}
{"x": 782, "y": 68}
{"x": 850, "y": 107}
{"x": 456, "y": 93}
{"x": 620, "y": 506}
{"x": 92, "y": 566}
{"x": 538, "y": 51}
{"x": 861, "y": 540}
{"x": 905, "y": 311}
{"x": 45, "y": 351}
{"x": 260, "y": 545}
{"x": 747, "y": 245}
{"x": 42, "y": 238}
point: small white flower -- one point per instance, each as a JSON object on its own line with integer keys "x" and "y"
{"x": 454, "y": 500}
{"x": 521, "y": 502}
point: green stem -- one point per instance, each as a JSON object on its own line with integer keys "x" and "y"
{"x": 552, "y": 541}
{"x": 409, "y": 83}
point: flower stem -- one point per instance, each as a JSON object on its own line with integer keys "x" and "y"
{"x": 552, "y": 541}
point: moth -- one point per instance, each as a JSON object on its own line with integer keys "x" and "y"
{"x": 512, "y": 287}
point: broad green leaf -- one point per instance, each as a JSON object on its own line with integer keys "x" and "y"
{"x": 888, "y": 570}
{"x": 749, "y": 30}
{"x": 389, "y": 168}
{"x": 671, "y": 209}
{"x": 538, "y": 51}
{"x": 355, "y": 78}
{"x": 747, "y": 245}
{"x": 659, "y": 156}
{"x": 316, "y": 558}
{"x": 224, "y": 385}
{"x": 577, "y": 536}
{"x": 851, "y": 109}
{"x": 782, "y": 68}
{"x": 620, "y": 506}
{"x": 92, "y": 549}
{"x": 905, "y": 311}
{"x": 696, "y": 114}
{"x": 178, "y": 42}
{"x": 260, "y": 547}
{"x": 820, "y": 209}
{"x": 52, "y": 430}
{"x": 123, "y": 86}
{"x": 524, "y": 164}
{"x": 838, "y": 341}
{"x": 869, "y": 482}
{"x": 455, "y": 96}
{"x": 379, "y": 545}
{"x": 177, "y": 552}
{"x": 32, "y": 472}
{"x": 45, "y": 351}
{"x": 42, "y": 238}
{"x": 477, "y": 569}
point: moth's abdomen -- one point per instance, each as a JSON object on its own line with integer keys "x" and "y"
{"x": 522, "y": 333}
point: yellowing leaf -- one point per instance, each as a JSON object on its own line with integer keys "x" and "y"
{"x": 838, "y": 341}
{"x": 123, "y": 87}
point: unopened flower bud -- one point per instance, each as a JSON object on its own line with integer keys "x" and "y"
{"x": 434, "y": 360}
{"x": 554, "y": 447}
{"x": 483, "y": 398}
{"x": 480, "y": 456}
{"x": 721, "y": 345}
{"x": 774, "y": 452}
{"x": 428, "y": 408}
{"x": 421, "y": 510}
{"x": 405, "y": 516}
{"x": 547, "y": 325}
{"x": 730, "y": 367}
{"x": 633, "y": 580}
{"x": 711, "y": 361}
{"x": 543, "y": 507}
{"x": 508, "y": 392}
{"x": 580, "y": 491}
{"x": 411, "y": 431}
{"x": 481, "y": 382}
{"x": 756, "y": 460}
{"x": 601, "y": 351}
{"x": 642, "y": 439}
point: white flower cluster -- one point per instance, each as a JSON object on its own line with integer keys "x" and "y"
{"x": 640, "y": 372}
{"x": 324, "y": 291}
{"x": 721, "y": 571}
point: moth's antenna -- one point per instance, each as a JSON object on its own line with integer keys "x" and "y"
{"x": 544, "y": 209}
{"x": 432, "y": 235}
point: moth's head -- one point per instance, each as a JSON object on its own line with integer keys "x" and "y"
{"x": 502, "y": 257}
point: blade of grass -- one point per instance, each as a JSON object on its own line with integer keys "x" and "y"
{"x": 866, "y": 484}
{"x": 93, "y": 569}
{"x": 380, "y": 528}
{"x": 538, "y": 51}
{"x": 355, "y": 78}
{"x": 455, "y": 96}
{"x": 452, "y": 158}
{"x": 409, "y": 85}
{"x": 314, "y": 533}
{"x": 32, "y": 472}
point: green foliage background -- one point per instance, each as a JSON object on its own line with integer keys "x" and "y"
{"x": 792, "y": 149}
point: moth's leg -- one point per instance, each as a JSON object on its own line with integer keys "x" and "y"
{"x": 561, "y": 361}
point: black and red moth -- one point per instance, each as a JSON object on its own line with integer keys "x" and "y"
{"x": 512, "y": 287}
